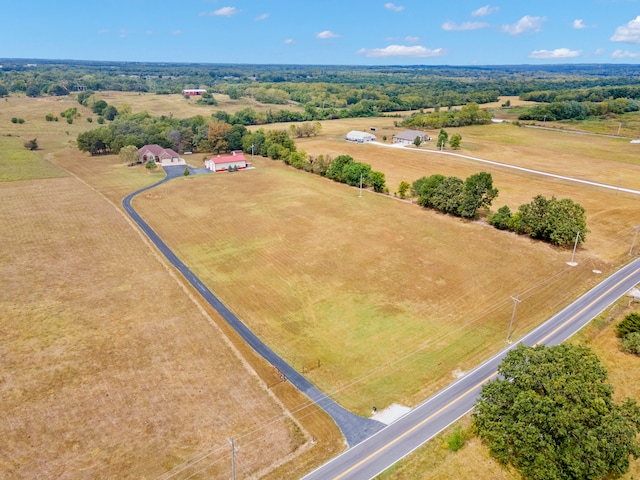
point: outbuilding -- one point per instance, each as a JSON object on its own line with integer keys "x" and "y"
{"x": 193, "y": 91}
{"x": 235, "y": 161}
{"x": 409, "y": 136}
{"x": 359, "y": 137}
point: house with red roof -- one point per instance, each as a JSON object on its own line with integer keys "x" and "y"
{"x": 235, "y": 161}
{"x": 158, "y": 154}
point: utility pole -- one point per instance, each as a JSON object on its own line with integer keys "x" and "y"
{"x": 252, "y": 152}
{"x": 233, "y": 459}
{"x": 573, "y": 255}
{"x": 516, "y": 301}
{"x": 361, "y": 184}
{"x": 637, "y": 229}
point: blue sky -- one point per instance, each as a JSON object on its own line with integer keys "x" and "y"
{"x": 346, "y": 32}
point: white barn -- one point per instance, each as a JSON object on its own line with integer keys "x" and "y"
{"x": 222, "y": 164}
{"x": 359, "y": 137}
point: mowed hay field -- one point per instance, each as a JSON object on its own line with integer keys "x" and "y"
{"x": 109, "y": 368}
{"x": 376, "y": 300}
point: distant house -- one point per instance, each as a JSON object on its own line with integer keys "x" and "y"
{"x": 222, "y": 164}
{"x": 359, "y": 137}
{"x": 158, "y": 154}
{"x": 409, "y": 136}
{"x": 193, "y": 91}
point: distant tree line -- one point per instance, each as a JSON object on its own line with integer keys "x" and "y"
{"x": 388, "y": 88}
{"x": 572, "y": 109}
{"x": 470, "y": 114}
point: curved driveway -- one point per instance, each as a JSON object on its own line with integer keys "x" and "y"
{"x": 354, "y": 428}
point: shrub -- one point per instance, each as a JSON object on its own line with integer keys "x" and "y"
{"x": 630, "y": 324}
{"x": 457, "y": 439}
{"x": 31, "y": 144}
{"x": 631, "y": 343}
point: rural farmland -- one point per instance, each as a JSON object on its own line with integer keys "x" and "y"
{"x": 375, "y": 300}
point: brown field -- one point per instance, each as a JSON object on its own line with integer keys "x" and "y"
{"x": 110, "y": 367}
{"x": 371, "y": 287}
{"x": 374, "y": 299}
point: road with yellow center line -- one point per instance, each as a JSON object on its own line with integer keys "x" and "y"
{"x": 374, "y": 455}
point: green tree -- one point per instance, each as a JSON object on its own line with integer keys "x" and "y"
{"x": 550, "y": 414}
{"x": 447, "y": 196}
{"x": 417, "y": 141}
{"x": 377, "y": 181}
{"x": 98, "y": 106}
{"x": 335, "y": 170}
{"x": 4, "y": 92}
{"x": 110, "y": 112}
{"x": 426, "y": 187}
{"x": 478, "y": 193}
{"x": 129, "y": 154}
{"x": 456, "y": 138}
{"x": 402, "y": 189}
{"x": 150, "y": 165}
{"x": 629, "y": 324}
{"x": 501, "y": 218}
{"x": 443, "y": 137}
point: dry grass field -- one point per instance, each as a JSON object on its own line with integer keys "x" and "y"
{"x": 110, "y": 367}
{"x": 391, "y": 300}
{"x": 374, "y": 299}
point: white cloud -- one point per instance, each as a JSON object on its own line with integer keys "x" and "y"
{"x": 411, "y": 39}
{"x": 176, "y": 32}
{"x": 624, "y": 54}
{"x": 148, "y": 32}
{"x": 327, "y": 34}
{"x": 578, "y": 24}
{"x": 484, "y": 11}
{"x": 221, "y": 12}
{"x": 103, "y": 30}
{"x": 454, "y": 27}
{"x": 289, "y": 41}
{"x": 525, "y": 24}
{"x": 629, "y": 33}
{"x": 394, "y": 7}
{"x": 558, "y": 53}
{"x": 402, "y": 51}
{"x": 261, "y": 17}
{"x": 598, "y": 51}
{"x": 122, "y": 33}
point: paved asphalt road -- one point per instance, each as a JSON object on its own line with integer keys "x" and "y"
{"x": 374, "y": 455}
{"x": 354, "y": 428}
